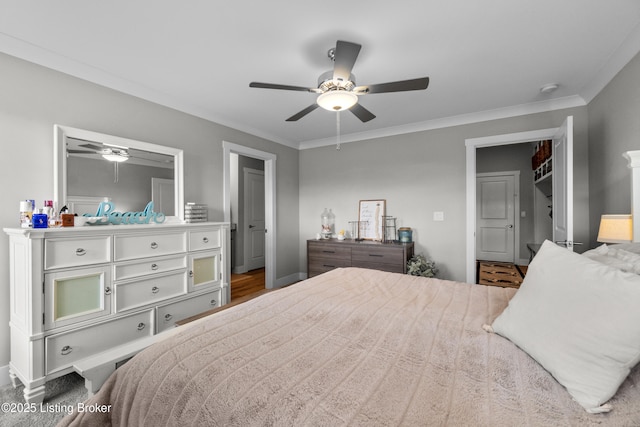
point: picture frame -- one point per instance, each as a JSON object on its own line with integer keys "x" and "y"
{"x": 371, "y": 214}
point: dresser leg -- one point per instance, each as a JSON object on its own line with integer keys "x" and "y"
{"x": 34, "y": 395}
{"x": 14, "y": 378}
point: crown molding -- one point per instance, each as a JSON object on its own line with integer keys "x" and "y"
{"x": 464, "y": 119}
{"x": 616, "y": 62}
{"x": 49, "y": 59}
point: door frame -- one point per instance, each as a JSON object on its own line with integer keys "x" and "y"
{"x": 246, "y": 234}
{"x": 269, "y": 202}
{"x": 156, "y": 191}
{"x": 516, "y": 206}
{"x": 471, "y": 145}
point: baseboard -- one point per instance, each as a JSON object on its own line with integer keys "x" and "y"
{"x": 239, "y": 269}
{"x": 292, "y": 278}
{"x": 523, "y": 261}
{"x": 4, "y": 375}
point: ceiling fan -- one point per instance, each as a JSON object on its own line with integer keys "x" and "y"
{"x": 337, "y": 88}
{"x": 113, "y": 154}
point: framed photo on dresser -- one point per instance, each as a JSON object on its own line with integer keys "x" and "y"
{"x": 371, "y": 215}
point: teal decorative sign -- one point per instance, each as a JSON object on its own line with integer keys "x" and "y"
{"x": 107, "y": 215}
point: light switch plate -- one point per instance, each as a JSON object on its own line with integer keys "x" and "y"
{"x": 438, "y": 216}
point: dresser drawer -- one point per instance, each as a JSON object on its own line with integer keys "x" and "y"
{"x": 64, "y": 349}
{"x": 146, "y": 267}
{"x": 319, "y": 266}
{"x": 168, "y": 315}
{"x": 204, "y": 239}
{"x": 79, "y": 251}
{"x": 129, "y": 295}
{"x": 377, "y": 255}
{"x": 328, "y": 251}
{"x": 149, "y": 245}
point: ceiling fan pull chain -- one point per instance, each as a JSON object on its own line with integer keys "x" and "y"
{"x": 337, "y": 130}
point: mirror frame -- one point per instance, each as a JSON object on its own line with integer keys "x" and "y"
{"x": 60, "y": 135}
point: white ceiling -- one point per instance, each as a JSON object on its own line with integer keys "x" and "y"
{"x": 486, "y": 59}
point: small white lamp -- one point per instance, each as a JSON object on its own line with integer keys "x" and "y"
{"x": 615, "y": 229}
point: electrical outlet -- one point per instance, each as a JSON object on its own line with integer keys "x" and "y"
{"x": 438, "y": 216}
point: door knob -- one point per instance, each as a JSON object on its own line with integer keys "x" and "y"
{"x": 509, "y": 226}
{"x": 251, "y": 226}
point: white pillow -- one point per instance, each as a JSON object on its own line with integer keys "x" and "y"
{"x": 630, "y": 247}
{"x": 615, "y": 256}
{"x": 580, "y": 320}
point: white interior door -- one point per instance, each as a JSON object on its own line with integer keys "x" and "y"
{"x": 163, "y": 196}
{"x": 254, "y": 218}
{"x": 495, "y": 217}
{"x": 563, "y": 185}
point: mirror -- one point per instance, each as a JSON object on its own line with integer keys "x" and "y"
{"x": 91, "y": 167}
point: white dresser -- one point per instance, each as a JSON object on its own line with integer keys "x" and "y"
{"x": 81, "y": 292}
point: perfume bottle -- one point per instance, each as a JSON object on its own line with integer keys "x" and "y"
{"x": 26, "y": 211}
{"x": 40, "y": 219}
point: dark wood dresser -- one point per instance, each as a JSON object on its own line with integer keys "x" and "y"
{"x": 327, "y": 254}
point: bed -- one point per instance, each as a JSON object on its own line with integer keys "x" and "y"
{"x": 354, "y": 347}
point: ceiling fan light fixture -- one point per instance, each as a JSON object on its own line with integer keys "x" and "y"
{"x": 116, "y": 157}
{"x": 337, "y": 100}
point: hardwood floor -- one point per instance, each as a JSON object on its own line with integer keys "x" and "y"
{"x": 248, "y": 283}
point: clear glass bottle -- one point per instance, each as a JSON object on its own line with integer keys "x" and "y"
{"x": 327, "y": 219}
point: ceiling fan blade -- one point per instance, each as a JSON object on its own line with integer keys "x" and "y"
{"x": 91, "y": 146}
{"x": 71, "y": 151}
{"x": 283, "y": 87}
{"x": 400, "y": 86}
{"x": 362, "y": 113}
{"x": 345, "y": 56}
{"x": 302, "y": 113}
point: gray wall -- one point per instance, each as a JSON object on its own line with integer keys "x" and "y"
{"x": 614, "y": 127}
{"x": 35, "y": 98}
{"x": 420, "y": 173}
{"x": 514, "y": 157}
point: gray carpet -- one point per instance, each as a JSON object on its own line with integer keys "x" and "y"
{"x": 61, "y": 393}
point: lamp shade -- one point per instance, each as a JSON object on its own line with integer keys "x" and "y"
{"x": 615, "y": 229}
{"x": 337, "y": 100}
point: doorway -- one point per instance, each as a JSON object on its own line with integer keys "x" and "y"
{"x": 562, "y": 186}
{"x": 269, "y": 161}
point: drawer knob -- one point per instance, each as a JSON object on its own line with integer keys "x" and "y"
{"x": 66, "y": 350}
{"x": 141, "y": 326}
{"x": 80, "y": 252}
{"x": 213, "y": 302}
{"x": 154, "y": 266}
{"x": 205, "y": 239}
{"x": 107, "y": 291}
{"x": 154, "y": 245}
{"x": 167, "y": 317}
{"x": 155, "y": 290}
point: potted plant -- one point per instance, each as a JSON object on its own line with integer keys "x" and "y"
{"x": 418, "y": 265}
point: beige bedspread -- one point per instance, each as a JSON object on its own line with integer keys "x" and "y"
{"x": 350, "y": 347}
